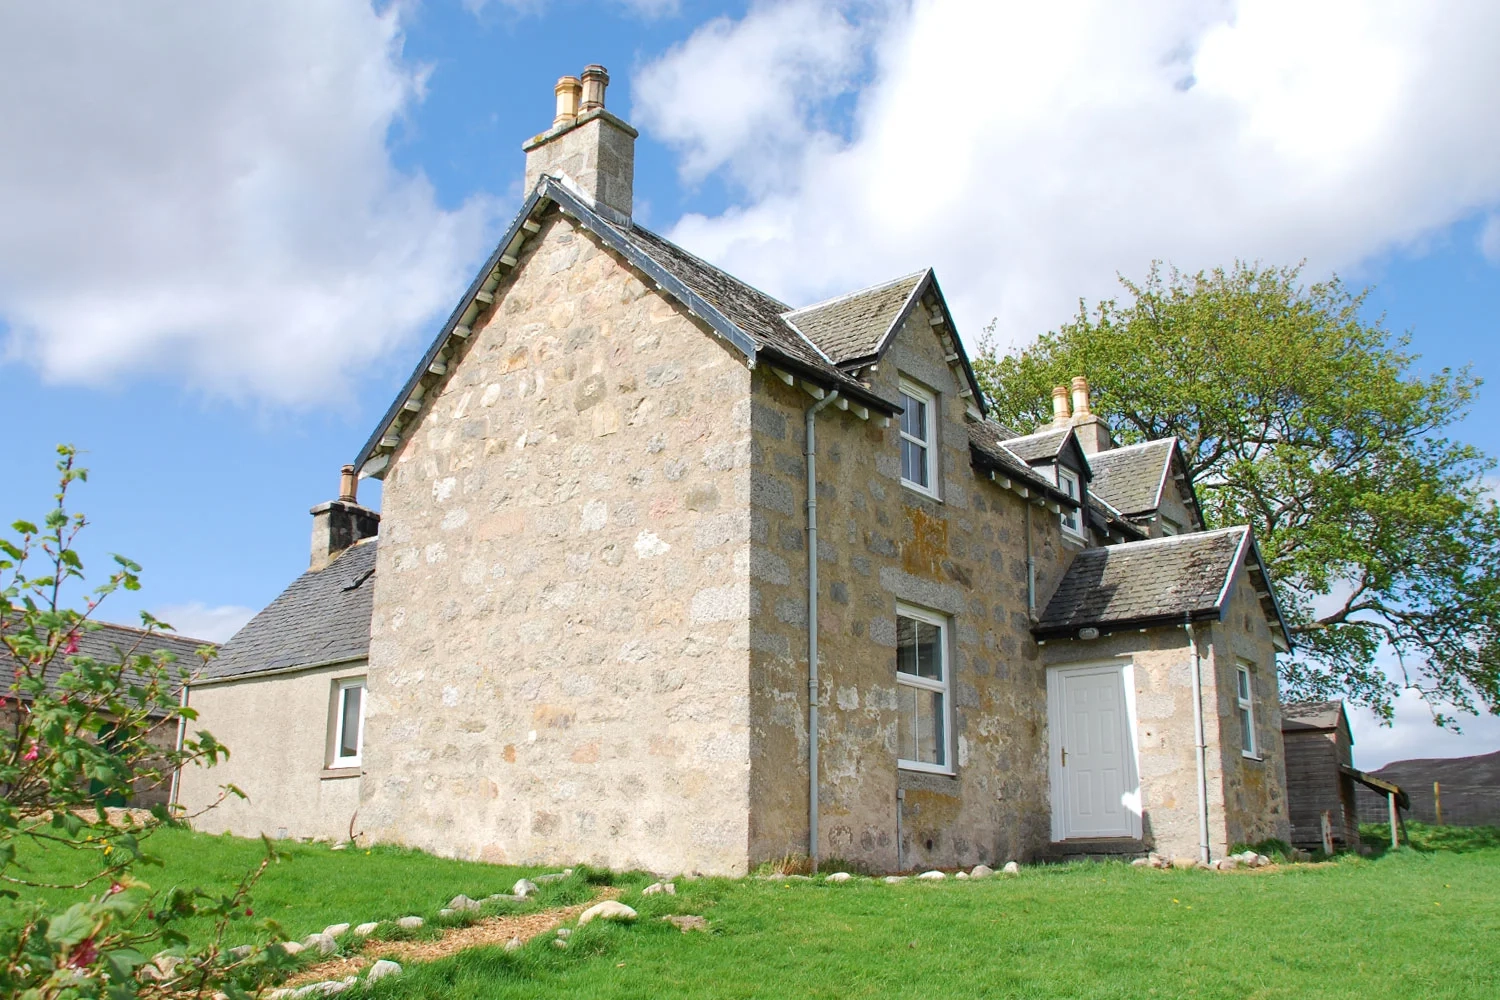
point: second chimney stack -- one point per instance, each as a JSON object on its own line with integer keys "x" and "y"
{"x": 590, "y": 150}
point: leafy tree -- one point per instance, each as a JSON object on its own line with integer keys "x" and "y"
{"x": 76, "y": 733}
{"x": 1317, "y": 429}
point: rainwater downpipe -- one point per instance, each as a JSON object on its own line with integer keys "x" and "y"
{"x": 1200, "y": 745}
{"x": 1030, "y": 571}
{"x": 812, "y": 625}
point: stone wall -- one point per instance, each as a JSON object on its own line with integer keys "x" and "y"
{"x": 962, "y": 555}
{"x": 558, "y": 663}
{"x": 279, "y": 731}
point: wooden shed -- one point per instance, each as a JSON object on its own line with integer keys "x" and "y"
{"x": 1319, "y": 751}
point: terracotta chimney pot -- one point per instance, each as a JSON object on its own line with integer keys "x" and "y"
{"x": 1080, "y": 397}
{"x": 348, "y": 485}
{"x": 595, "y": 79}
{"x": 1060, "y": 414}
{"x": 567, "y": 90}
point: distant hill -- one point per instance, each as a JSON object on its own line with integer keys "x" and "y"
{"x": 1470, "y": 789}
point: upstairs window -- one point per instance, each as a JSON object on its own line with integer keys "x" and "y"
{"x": 922, "y": 684}
{"x": 1072, "y": 520}
{"x": 918, "y": 438}
{"x": 349, "y": 722}
{"x": 1245, "y": 702}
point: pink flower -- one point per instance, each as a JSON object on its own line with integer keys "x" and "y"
{"x": 31, "y": 754}
{"x": 71, "y": 646}
{"x": 249, "y": 912}
{"x": 115, "y": 887}
{"x": 84, "y": 954}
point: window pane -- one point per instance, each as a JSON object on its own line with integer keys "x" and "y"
{"x": 913, "y": 463}
{"x": 349, "y": 725}
{"x": 1244, "y": 681}
{"x": 914, "y": 417}
{"x": 919, "y": 648}
{"x": 1247, "y": 730}
{"x": 919, "y": 726}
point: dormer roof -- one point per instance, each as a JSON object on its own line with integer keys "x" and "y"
{"x": 1134, "y": 479}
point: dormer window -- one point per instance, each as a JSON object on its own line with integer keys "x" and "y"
{"x": 1072, "y": 519}
{"x": 918, "y": 438}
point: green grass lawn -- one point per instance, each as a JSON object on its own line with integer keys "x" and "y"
{"x": 1415, "y": 923}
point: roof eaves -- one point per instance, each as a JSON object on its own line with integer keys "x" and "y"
{"x": 930, "y": 282}
{"x": 1071, "y": 629}
{"x": 1018, "y": 469}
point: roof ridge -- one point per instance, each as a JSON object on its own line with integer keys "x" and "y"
{"x": 1168, "y": 539}
{"x": 1134, "y": 447}
{"x": 824, "y": 303}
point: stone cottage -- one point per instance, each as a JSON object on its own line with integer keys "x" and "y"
{"x": 672, "y": 575}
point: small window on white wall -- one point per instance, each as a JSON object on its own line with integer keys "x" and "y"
{"x": 349, "y": 722}
{"x": 922, "y": 685}
{"x": 1245, "y": 702}
{"x": 918, "y": 438}
{"x": 1072, "y": 520}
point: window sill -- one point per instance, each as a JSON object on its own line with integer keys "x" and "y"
{"x": 917, "y": 767}
{"x": 921, "y": 491}
{"x": 332, "y": 773}
{"x": 1252, "y": 756}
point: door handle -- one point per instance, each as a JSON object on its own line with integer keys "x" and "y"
{"x": 1065, "y": 757}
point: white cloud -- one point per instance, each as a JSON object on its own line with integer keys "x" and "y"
{"x": 746, "y": 94}
{"x": 197, "y": 620}
{"x": 1033, "y": 151}
{"x": 1489, "y": 239}
{"x": 206, "y": 189}
{"x": 649, "y": 9}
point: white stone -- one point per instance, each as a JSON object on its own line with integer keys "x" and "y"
{"x": 960, "y": 875}
{"x": 334, "y": 930}
{"x": 610, "y": 909}
{"x": 981, "y": 871}
{"x": 446, "y": 912}
{"x": 559, "y": 942}
{"x": 1140, "y": 862}
{"x": 381, "y": 969}
{"x": 1011, "y": 868}
{"x": 325, "y": 944}
{"x": 647, "y": 545}
{"x": 291, "y": 947}
{"x": 525, "y": 887}
{"x": 554, "y": 877}
{"x": 410, "y": 923}
{"x": 657, "y": 888}
{"x": 564, "y": 932}
{"x": 893, "y": 879}
{"x": 1261, "y": 861}
{"x": 365, "y": 930}
{"x": 838, "y": 877}
{"x": 462, "y": 902}
{"x": 932, "y": 876}
{"x": 513, "y": 944}
{"x": 503, "y": 897}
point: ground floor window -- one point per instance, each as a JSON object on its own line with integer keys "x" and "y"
{"x": 349, "y": 722}
{"x": 1245, "y": 704}
{"x": 922, "y": 686}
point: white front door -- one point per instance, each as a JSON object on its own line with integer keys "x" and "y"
{"x": 1095, "y": 792}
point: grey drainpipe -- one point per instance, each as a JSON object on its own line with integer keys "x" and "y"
{"x": 1030, "y": 570}
{"x": 182, "y": 701}
{"x": 1201, "y": 746}
{"x": 812, "y": 625}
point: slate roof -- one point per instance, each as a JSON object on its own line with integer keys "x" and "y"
{"x": 1311, "y": 716}
{"x": 1153, "y": 582}
{"x": 109, "y": 642}
{"x": 853, "y": 327}
{"x": 987, "y": 441}
{"x": 1040, "y": 446}
{"x": 323, "y": 617}
{"x": 1131, "y": 479}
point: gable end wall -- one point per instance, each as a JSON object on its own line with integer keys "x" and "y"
{"x": 558, "y": 665}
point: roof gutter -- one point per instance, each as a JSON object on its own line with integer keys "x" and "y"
{"x": 277, "y": 671}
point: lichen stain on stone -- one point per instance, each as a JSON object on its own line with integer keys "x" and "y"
{"x": 924, "y": 553}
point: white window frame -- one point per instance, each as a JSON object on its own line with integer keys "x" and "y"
{"x": 943, "y": 687}
{"x": 929, "y": 446}
{"x": 1245, "y": 705}
{"x": 1065, "y": 476}
{"x": 340, "y": 694}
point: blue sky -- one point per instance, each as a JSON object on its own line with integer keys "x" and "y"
{"x": 219, "y": 268}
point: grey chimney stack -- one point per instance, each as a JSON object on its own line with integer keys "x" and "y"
{"x": 340, "y": 523}
{"x": 589, "y": 150}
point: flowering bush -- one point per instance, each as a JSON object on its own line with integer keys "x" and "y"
{"x": 77, "y": 732}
